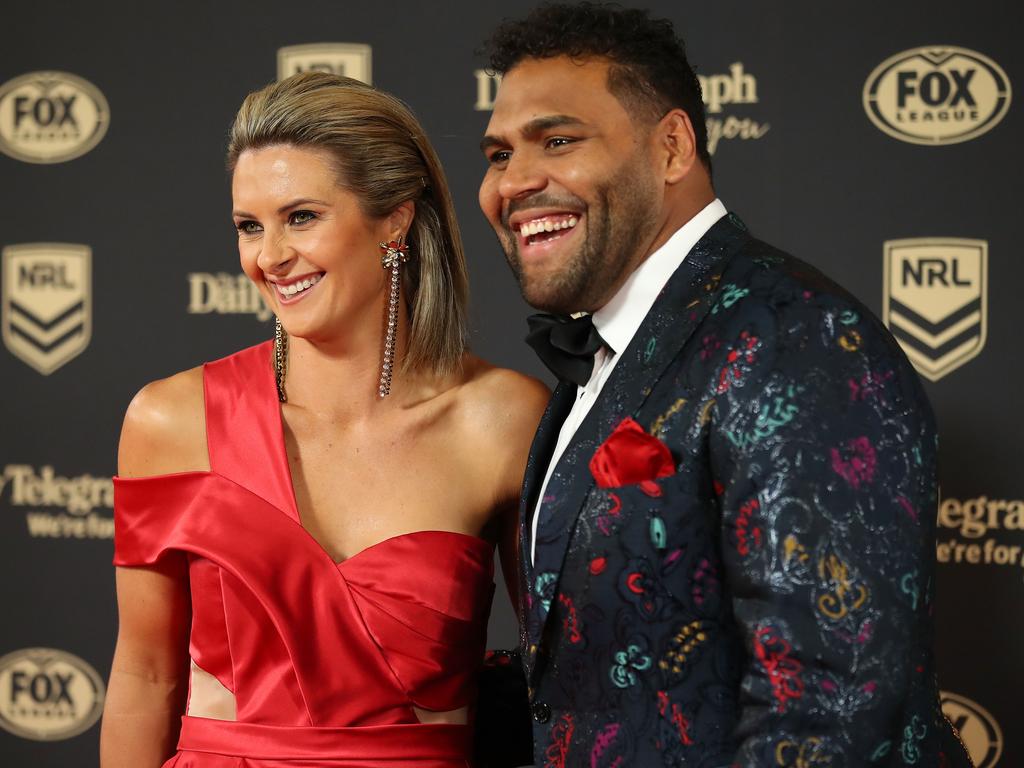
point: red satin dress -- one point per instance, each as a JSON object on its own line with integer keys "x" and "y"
{"x": 325, "y": 660}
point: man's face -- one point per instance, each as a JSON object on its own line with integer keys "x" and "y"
{"x": 570, "y": 188}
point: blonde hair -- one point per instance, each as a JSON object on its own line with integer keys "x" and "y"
{"x": 380, "y": 154}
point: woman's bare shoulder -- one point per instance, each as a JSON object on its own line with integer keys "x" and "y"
{"x": 505, "y": 403}
{"x": 164, "y": 429}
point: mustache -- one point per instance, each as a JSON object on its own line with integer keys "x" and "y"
{"x": 541, "y": 200}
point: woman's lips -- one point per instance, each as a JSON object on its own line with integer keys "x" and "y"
{"x": 291, "y": 291}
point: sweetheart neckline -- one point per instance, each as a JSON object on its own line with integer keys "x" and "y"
{"x": 200, "y": 473}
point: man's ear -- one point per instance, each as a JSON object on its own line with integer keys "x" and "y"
{"x": 400, "y": 219}
{"x": 677, "y": 140}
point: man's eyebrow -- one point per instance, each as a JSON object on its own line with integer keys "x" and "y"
{"x": 532, "y": 128}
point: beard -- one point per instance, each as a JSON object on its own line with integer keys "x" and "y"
{"x": 619, "y": 220}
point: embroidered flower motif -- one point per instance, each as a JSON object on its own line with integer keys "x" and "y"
{"x": 730, "y": 295}
{"x": 842, "y": 592}
{"x": 855, "y": 461}
{"x": 627, "y": 664}
{"x": 674, "y": 714}
{"x": 545, "y": 588}
{"x": 738, "y": 360}
{"x": 571, "y": 621}
{"x": 557, "y": 753}
{"x": 604, "y": 743}
{"x": 639, "y": 585}
{"x": 783, "y": 671}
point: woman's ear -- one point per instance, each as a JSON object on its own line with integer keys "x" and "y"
{"x": 400, "y": 220}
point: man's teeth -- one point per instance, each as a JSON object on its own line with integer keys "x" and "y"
{"x": 547, "y": 225}
{"x": 299, "y": 286}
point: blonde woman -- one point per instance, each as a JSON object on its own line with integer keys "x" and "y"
{"x": 305, "y": 530}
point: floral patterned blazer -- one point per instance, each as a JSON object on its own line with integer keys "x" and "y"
{"x": 735, "y": 556}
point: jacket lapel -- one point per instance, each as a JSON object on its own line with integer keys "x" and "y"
{"x": 686, "y": 299}
{"x": 536, "y": 467}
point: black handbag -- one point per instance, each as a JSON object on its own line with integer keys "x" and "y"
{"x": 502, "y": 729}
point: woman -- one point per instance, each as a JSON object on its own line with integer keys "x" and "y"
{"x": 305, "y": 529}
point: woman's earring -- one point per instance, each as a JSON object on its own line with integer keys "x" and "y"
{"x": 396, "y": 253}
{"x": 280, "y": 358}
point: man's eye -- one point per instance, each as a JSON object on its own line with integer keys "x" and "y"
{"x": 247, "y": 227}
{"x": 301, "y": 217}
{"x": 558, "y": 141}
{"x": 499, "y": 158}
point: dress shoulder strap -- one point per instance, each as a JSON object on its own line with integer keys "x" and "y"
{"x": 244, "y": 434}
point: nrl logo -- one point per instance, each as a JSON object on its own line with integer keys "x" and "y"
{"x": 936, "y": 300}
{"x": 47, "y": 302}
{"x": 349, "y": 59}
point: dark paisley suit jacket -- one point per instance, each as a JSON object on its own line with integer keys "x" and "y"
{"x": 769, "y": 603}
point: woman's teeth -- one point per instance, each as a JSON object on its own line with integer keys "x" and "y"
{"x": 298, "y": 287}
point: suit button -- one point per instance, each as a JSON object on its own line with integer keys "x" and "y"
{"x": 541, "y": 712}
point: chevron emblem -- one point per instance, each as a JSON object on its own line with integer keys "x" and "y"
{"x": 936, "y": 300}
{"x": 47, "y": 302}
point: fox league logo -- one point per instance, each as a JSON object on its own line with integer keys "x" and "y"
{"x": 979, "y": 731}
{"x": 349, "y": 59}
{"x": 47, "y": 302}
{"x": 48, "y": 695}
{"x": 51, "y": 117}
{"x": 936, "y": 300}
{"x": 937, "y": 95}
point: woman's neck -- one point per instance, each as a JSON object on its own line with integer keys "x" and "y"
{"x": 341, "y": 379}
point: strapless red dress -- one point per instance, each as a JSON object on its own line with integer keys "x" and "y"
{"x": 326, "y": 660}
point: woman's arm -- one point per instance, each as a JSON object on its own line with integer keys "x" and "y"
{"x": 164, "y": 431}
{"x": 516, "y": 403}
{"x": 149, "y": 676}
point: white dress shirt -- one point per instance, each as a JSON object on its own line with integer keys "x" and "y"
{"x": 618, "y": 321}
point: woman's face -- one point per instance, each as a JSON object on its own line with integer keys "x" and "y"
{"x": 307, "y": 244}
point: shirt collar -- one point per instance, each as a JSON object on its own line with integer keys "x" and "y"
{"x": 619, "y": 319}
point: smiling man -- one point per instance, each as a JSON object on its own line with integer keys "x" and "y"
{"x": 727, "y": 529}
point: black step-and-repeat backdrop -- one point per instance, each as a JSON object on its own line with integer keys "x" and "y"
{"x": 880, "y": 142}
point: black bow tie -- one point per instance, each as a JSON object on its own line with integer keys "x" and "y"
{"x": 565, "y": 345}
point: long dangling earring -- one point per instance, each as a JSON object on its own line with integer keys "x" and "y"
{"x": 396, "y": 253}
{"x": 280, "y": 359}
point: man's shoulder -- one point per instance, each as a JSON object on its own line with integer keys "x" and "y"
{"x": 775, "y": 275}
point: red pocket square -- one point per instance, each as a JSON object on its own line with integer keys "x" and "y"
{"x": 631, "y": 456}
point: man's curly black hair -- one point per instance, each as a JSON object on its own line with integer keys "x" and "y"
{"x": 649, "y": 75}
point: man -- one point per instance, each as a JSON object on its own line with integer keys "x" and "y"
{"x": 728, "y": 514}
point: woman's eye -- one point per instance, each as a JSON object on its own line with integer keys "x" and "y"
{"x": 301, "y": 217}
{"x": 247, "y": 227}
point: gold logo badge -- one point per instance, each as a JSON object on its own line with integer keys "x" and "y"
{"x": 51, "y": 117}
{"x": 978, "y": 730}
{"x": 47, "y": 302}
{"x": 935, "y": 300}
{"x": 937, "y": 95}
{"x": 48, "y": 695}
{"x": 348, "y": 59}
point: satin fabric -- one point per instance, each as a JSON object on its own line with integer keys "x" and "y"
{"x": 326, "y": 660}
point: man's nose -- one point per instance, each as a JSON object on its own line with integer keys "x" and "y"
{"x": 522, "y": 176}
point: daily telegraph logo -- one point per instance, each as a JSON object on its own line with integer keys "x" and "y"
{"x": 51, "y": 117}
{"x": 720, "y": 92}
{"x": 937, "y": 95}
{"x": 225, "y": 294}
{"x": 936, "y": 300}
{"x": 979, "y": 731}
{"x": 47, "y": 302}
{"x": 59, "y": 507}
{"x": 353, "y": 60}
{"x": 48, "y": 695}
